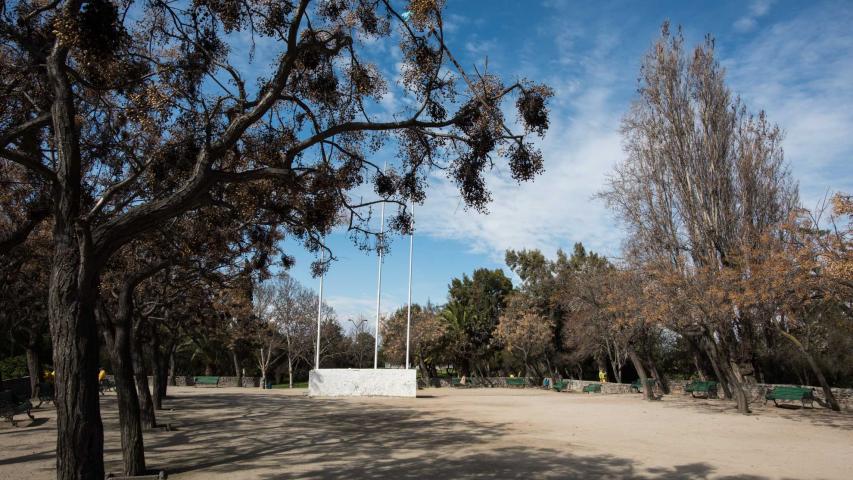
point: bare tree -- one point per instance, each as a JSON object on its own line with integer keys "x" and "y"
{"x": 296, "y": 318}
{"x": 703, "y": 179}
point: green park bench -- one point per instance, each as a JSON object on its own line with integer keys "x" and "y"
{"x": 699, "y": 388}
{"x": 560, "y": 386}
{"x": 592, "y": 388}
{"x": 800, "y": 394}
{"x": 10, "y": 406}
{"x": 207, "y": 380}
{"x": 636, "y": 385}
{"x": 516, "y": 382}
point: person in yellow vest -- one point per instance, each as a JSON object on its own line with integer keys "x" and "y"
{"x": 102, "y": 375}
{"x": 602, "y": 376}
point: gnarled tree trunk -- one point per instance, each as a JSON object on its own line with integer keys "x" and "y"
{"x": 80, "y": 432}
{"x": 33, "y": 368}
{"x": 146, "y": 403}
{"x": 132, "y": 446}
{"x": 71, "y": 299}
{"x": 648, "y": 394}
{"x": 827, "y": 391}
{"x": 718, "y": 355}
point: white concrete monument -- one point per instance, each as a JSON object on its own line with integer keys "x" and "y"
{"x": 363, "y": 382}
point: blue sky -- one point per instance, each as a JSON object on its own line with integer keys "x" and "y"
{"x": 791, "y": 59}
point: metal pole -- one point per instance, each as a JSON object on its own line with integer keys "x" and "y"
{"x": 409, "y": 311}
{"x": 319, "y": 315}
{"x": 380, "y": 243}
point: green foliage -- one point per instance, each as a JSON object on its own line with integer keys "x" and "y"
{"x": 14, "y": 367}
{"x": 474, "y": 306}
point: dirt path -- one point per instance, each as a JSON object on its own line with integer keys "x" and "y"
{"x": 446, "y": 434}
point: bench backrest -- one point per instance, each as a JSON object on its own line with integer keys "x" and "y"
{"x": 207, "y": 380}
{"x": 702, "y": 386}
{"x": 791, "y": 392}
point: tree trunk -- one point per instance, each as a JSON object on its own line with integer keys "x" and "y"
{"x": 33, "y": 369}
{"x": 827, "y": 391}
{"x": 163, "y": 381}
{"x": 648, "y": 394}
{"x": 172, "y": 381}
{"x": 697, "y": 363}
{"x": 158, "y": 371}
{"x": 659, "y": 377}
{"x": 722, "y": 362}
{"x": 718, "y": 373}
{"x": 146, "y": 403}
{"x": 237, "y": 372}
{"x": 157, "y": 379}
{"x": 289, "y": 371}
{"x": 130, "y": 426}
{"x": 74, "y": 331}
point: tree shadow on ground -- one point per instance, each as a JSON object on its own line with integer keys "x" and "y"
{"x": 295, "y": 437}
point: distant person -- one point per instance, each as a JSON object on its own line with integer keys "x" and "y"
{"x": 602, "y": 376}
{"x": 463, "y": 380}
{"x": 102, "y": 375}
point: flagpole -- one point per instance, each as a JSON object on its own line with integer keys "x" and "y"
{"x": 319, "y": 315}
{"x": 409, "y": 311}
{"x": 380, "y": 245}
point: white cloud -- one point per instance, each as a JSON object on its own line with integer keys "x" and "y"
{"x": 581, "y": 147}
{"x": 800, "y": 72}
{"x": 554, "y": 211}
{"x": 757, "y": 9}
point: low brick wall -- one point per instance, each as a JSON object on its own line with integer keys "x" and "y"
{"x": 500, "y": 382}
{"x": 478, "y": 382}
{"x": 248, "y": 382}
{"x": 187, "y": 381}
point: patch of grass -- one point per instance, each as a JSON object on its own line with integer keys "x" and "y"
{"x": 295, "y": 385}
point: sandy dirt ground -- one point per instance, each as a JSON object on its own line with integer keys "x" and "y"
{"x": 231, "y": 433}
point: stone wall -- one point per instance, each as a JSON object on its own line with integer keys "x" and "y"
{"x": 187, "y": 381}
{"x": 248, "y": 382}
{"x": 355, "y": 382}
{"x": 501, "y": 382}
